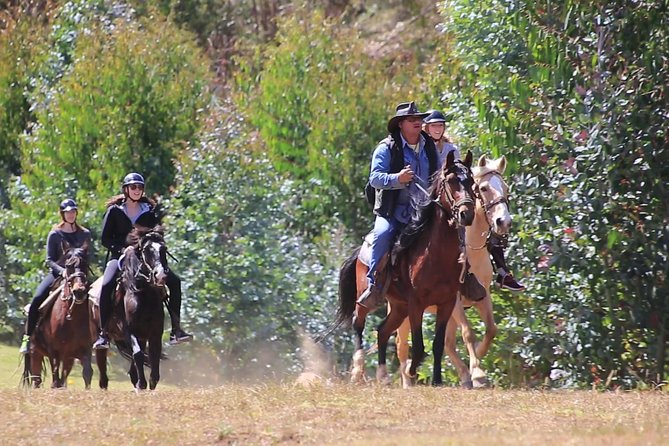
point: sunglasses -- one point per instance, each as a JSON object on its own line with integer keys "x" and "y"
{"x": 136, "y": 187}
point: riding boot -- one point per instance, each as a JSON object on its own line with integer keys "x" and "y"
{"x": 371, "y": 298}
{"x": 177, "y": 335}
{"x": 106, "y": 308}
{"x": 504, "y": 277}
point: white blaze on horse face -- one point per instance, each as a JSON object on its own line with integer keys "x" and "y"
{"x": 500, "y": 218}
{"x": 158, "y": 269}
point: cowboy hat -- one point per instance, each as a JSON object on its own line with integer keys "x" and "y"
{"x": 404, "y": 110}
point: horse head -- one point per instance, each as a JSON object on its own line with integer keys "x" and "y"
{"x": 493, "y": 194}
{"x": 75, "y": 262}
{"x": 151, "y": 252}
{"x": 454, "y": 189}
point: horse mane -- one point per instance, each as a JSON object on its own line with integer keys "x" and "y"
{"x": 421, "y": 218}
{"x": 139, "y": 232}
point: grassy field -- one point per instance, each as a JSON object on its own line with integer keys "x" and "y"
{"x": 326, "y": 413}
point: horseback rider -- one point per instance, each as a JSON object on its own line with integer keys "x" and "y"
{"x": 123, "y": 212}
{"x": 435, "y": 126}
{"x": 402, "y": 164}
{"x": 67, "y": 232}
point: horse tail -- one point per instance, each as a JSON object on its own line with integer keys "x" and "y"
{"x": 348, "y": 291}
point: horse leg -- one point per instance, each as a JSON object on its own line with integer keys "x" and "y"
{"x": 485, "y": 310}
{"x": 65, "y": 370}
{"x": 101, "y": 360}
{"x": 444, "y": 312}
{"x": 451, "y": 331}
{"x": 138, "y": 360}
{"x": 402, "y": 343}
{"x": 55, "y": 372}
{"x": 386, "y": 328}
{"x": 87, "y": 370}
{"x": 358, "y": 370}
{"x": 417, "y": 345}
{"x": 36, "y": 368}
{"x": 155, "y": 350}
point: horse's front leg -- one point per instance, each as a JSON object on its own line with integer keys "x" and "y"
{"x": 358, "y": 370}
{"x": 449, "y": 347}
{"x": 138, "y": 361}
{"x": 55, "y": 371}
{"x": 87, "y": 370}
{"x": 393, "y": 320}
{"x": 155, "y": 350}
{"x": 36, "y": 368}
{"x": 417, "y": 345}
{"x": 66, "y": 368}
{"x": 444, "y": 312}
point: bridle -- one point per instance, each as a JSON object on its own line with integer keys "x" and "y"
{"x": 444, "y": 190}
{"x": 487, "y": 206}
{"x": 67, "y": 293}
{"x": 146, "y": 271}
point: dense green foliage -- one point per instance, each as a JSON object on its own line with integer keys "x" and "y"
{"x": 262, "y": 178}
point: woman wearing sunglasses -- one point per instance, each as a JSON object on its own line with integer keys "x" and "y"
{"x": 123, "y": 212}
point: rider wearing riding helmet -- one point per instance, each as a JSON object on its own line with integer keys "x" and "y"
{"x": 69, "y": 232}
{"x": 123, "y": 212}
{"x": 435, "y": 126}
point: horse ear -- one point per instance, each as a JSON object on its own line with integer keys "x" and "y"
{"x": 482, "y": 161}
{"x": 450, "y": 159}
{"x": 468, "y": 159}
{"x": 64, "y": 245}
{"x": 86, "y": 245}
{"x": 502, "y": 165}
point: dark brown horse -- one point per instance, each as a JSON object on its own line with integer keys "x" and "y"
{"x": 138, "y": 317}
{"x": 63, "y": 334}
{"x": 425, "y": 272}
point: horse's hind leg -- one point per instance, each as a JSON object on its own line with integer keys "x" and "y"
{"x": 393, "y": 320}
{"x": 55, "y": 372}
{"x": 155, "y": 350}
{"x": 87, "y": 370}
{"x": 402, "y": 342}
{"x": 417, "y": 345}
{"x": 358, "y": 370}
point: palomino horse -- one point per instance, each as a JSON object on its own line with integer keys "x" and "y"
{"x": 492, "y": 217}
{"x": 63, "y": 334}
{"x": 425, "y": 272}
{"x": 138, "y": 316}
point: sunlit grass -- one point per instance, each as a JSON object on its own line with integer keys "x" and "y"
{"x": 332, "y": 412}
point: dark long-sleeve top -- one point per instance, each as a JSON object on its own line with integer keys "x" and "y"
{"x": 54, "y": 246}
{"x": 117, "y": 225}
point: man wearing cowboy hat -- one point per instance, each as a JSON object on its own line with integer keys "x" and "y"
{"x": 402, "y": 164}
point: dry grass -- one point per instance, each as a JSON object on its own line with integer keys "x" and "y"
{"x": 332, "y": 414}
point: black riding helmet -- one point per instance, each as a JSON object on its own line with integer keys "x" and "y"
{"x": 68, "y": 205}
{"x": 133, "y": 178}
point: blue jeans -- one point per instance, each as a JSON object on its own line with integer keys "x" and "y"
{"x": 384, "y": 235}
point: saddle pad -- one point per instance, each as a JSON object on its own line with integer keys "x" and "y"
{"x": 94, "y": 291}
{"x": 365, "y": 254}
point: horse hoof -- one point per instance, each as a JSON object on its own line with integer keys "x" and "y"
{"x": 480, "y": 383}
{"x": 357, "y": 376}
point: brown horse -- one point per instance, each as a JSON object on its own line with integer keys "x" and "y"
{"x": 138, "y": 317}
{"x": 426, "y": 271}
{"x": 492, "y": 217}
{"x": 63, "y": 334}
